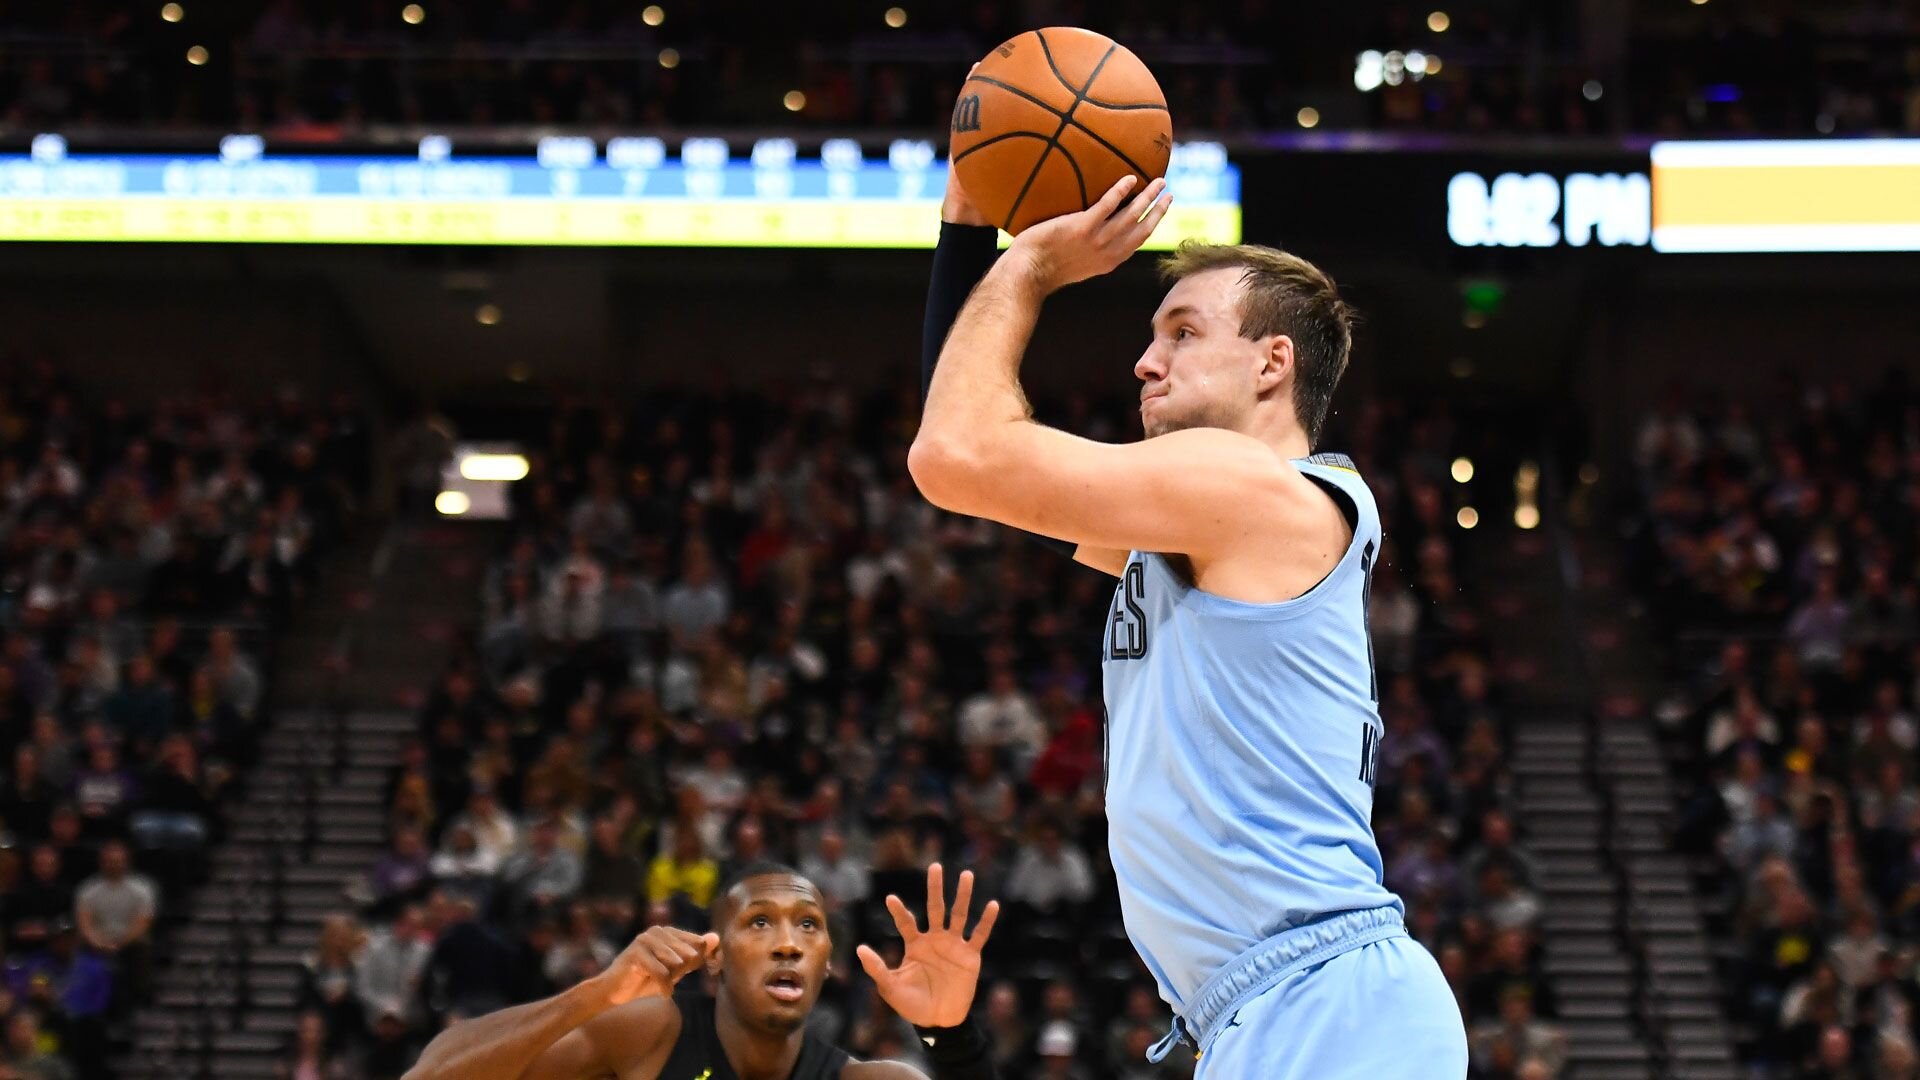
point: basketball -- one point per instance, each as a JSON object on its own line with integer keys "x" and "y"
{"x": 1053, "y": 118}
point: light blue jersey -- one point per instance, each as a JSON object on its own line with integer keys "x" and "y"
{"x": 1241, "y": 741}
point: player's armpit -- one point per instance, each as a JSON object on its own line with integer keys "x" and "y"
{"x": 1201, "y": 491}
{"x": 626, "y": 1042}
{"x": 1106, "y": 560}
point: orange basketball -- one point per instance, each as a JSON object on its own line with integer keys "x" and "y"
{"x": 1052, "y": 119}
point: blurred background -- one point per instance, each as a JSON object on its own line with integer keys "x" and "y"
{"x": 453, "y": 510}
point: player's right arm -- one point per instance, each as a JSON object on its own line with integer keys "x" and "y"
{"x": 967, "y": 247}
{"x": 562, "y": 1038}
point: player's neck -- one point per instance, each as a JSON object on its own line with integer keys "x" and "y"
{"x": 755, "y": 1055}
{"x": 1274, "y": 423}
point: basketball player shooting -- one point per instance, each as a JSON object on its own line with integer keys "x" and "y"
{"x": 769, "y": 956}
{"x": 1242, "y": 718}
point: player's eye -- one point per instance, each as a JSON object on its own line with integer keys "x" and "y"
{"x": 760, "y": 922}
{"x": 809, "y": 924}
{"x": 1183, "y": 333}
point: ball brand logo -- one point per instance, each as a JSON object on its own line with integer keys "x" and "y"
{"x": 1005, "y": 50}
{"x": 1163, "y": 141}
{"x": 966, "y": 113}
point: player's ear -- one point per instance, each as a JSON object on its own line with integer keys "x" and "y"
{"x": 1276, "y": 364}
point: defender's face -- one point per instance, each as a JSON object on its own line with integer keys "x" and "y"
{"x": 1199, "y": 371}
{"x": 774, "y": 950}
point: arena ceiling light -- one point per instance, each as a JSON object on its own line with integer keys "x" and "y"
{"x": 452, "y": 503}
{"x": 1373, "y": 69}
{"x": 498, "y": 467}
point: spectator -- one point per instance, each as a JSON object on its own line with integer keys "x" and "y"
{"x": 1500, "y": 1046}
{"x": 1050, "y": 876}
{"x": 685, "y": 875}
{"x": 327, "y": 978}
{"x": 403, "y": 873}
{"x": 308, "y": 1057}
{"x": 28, "y": 1054}
{"x": 1002, "y": 718}
{"x": 698, "y": 602}
{"x": 545, "y": 872}
{"x": 386, "y": 978}
{"x": 115, "y": 910}
{"x": 579, "y": 952}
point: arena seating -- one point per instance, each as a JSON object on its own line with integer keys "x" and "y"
{"x": 1777, "y": 543}
{"x": 147, "y": 556}
{"x": 729, "y": 629}
{"x": 290, "y": 68}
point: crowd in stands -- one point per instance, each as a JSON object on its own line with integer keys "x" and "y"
{"x": 300, "y": 66}
{"x": 1781, "y": 545}
{"x": 145, "y": 555}
{"x": 726, "y": 629}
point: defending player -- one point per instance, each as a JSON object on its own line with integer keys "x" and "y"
{"x": 1242, "y": 717}
{"x": 770, "y": 957}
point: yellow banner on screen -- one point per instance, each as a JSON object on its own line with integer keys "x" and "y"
{"x": 911, "y": 223}
{"x": 1787, "y": 195}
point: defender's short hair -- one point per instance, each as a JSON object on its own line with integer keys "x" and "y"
{"x": 757, "y": 868}
{"x": 1285, "y": 294}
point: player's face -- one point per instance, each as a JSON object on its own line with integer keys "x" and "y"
{"x": 1199, "y": 371}
{"x": 774, "y": 950}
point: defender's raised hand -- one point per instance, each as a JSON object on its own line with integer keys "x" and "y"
{"x": 934, "y": 984}
{"x": 656, "y": 960}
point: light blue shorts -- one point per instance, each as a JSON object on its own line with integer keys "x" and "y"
{"x": 1381, "y": 1011}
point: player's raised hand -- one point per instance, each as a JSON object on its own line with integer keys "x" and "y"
{"x": 1075, "y": 247}
{"x": 656, "y": 960}
{"x": 934, "y": 984}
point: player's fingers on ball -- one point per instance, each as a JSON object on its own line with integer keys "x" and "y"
{"x": 1111, "y": 200}
{"x": 1152, "y": 220}
{"x": 962, "y": 899}
{"x": 936, "y": 897}
{"x": 1144, "y": 202}
{"x": 984, "y": 930}
{"x": 902, "y": 918}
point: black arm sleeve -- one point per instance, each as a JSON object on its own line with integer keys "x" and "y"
{"x": 964, "y": 255}
{"x": 960, "y": 1053}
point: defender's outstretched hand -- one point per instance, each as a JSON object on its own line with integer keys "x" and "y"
{"x": 934, "y": 984}
{"x": 1075, "y": 247}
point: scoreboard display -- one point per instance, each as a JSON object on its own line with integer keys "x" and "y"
{"x": 570, "y": 191}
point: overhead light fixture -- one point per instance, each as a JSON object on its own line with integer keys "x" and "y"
{"x": 452, "y": 503}
{"x": 501, "y": 467}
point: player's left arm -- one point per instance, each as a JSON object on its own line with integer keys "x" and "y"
{"x": 979, "y": 451}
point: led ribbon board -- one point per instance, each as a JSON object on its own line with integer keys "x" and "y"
{"x": 1787, "y": 195}
{"x": 568, "y": 195}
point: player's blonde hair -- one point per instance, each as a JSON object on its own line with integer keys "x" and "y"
{"x": 1285, "y": 294}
